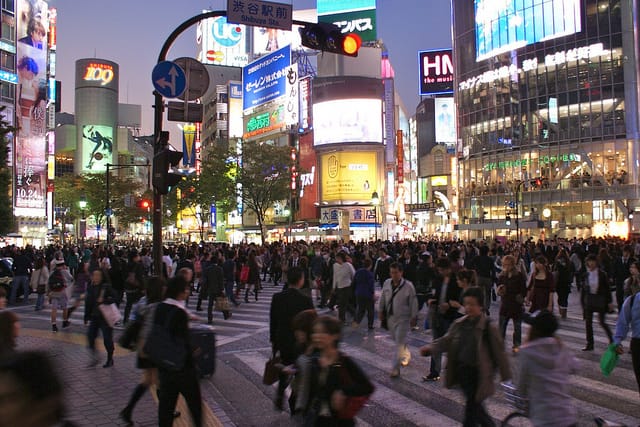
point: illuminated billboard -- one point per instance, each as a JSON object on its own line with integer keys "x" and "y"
{"x": 265, "y": 79}
{"x": 269, "y": 119}
{"x": 97, "y": 147}
{"x": 31, "y": 111}
{"x": 348, "y": 176}
{"x": 267, "y": 40}
{"x": 435, "y": 71}
{"x": 510, "y": 24}
{"x": 347, "y": 120}
{"x": 235, "y": 110}
{"x": 221, "y": 43}
{"x": 445, "y": 115}
{"x": 98, "y": 73}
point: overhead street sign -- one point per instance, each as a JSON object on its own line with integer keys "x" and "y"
{"x": 169, "y": 79}
{"x": 260, "y": 14}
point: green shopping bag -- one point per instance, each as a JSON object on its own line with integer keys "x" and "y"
{"x": 609, "y": 360}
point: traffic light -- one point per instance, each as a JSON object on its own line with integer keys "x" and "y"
{"x": 163, "y": 163}
{"x": 508, "y": 220}
{"x": 536, "y": 183}
{"x": 143, "y": 204}
{"x": 329, "y": 38}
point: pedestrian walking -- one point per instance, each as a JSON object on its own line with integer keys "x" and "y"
{"x": 632, "y": 283}
{"x": 80, "y": 285}
{"x": 546, "y": 364}
{"x": 512, "y": 289}
{"x": 343, "y": 273}
{"x": 447, "y": 294}
{"x": 475, "y": 350}
{"x": 541, "y": 286}
{"x": 213, "y": 276}
{"x": 336, "y": 380}
{"x": 596, "y": 298}
{"x": 99, "y": 292}
{"x": 629, "y": 319}
{"x": 172, "y": 315}
{"x": 57, "y": 285}
{"x": 39, "y": 280}
{"x": 21, "y": 267}
{"x": 399, "y": 308}
{"x": 229, "y": 272}
{"x": 253, "y": 281}
{"x": 285, "y": 306}
{"x": 133, "y": 282}
{"x": 364, "y": 283}
{"x": 483, "y": 265}
{"x": 143, "y": 313}
{"x": 563, "y": 276}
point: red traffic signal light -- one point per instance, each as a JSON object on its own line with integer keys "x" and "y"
{"x": 145, "y": 204}
{"x": 330, "y": 38}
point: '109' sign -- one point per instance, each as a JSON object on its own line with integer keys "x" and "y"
{"x": 98, "y": 72}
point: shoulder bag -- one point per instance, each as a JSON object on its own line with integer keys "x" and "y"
{"x": 354, "y": 404}
{"x": 163, "y": 348}
{"x": 388, "y": 309}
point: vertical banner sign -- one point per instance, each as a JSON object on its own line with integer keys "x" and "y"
{"x": 212, "y": 216}
{"x": 292, "y": 114}
{"x": 389, "y": 119}
{"x": 189, "y": 145}
{"x": 31, "y": 92}
{"x": 198, "y": 144}
{"x": 400, "y": 157}
{"x": 305, "y": 105}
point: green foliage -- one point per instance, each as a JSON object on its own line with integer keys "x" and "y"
{"x": 6, "y": 214}
{"x": 265, "y": 176}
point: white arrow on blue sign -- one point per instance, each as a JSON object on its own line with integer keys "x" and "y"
{"x": 169, "y": 79}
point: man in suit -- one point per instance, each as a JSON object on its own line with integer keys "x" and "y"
{"x": 444, "y": 305}
{"x": 621, "y": 273}
{"x": 284, "y": 307}
{"x": 214, "y": 278}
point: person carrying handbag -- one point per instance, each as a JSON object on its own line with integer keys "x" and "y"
{"x": 99, "y": 292}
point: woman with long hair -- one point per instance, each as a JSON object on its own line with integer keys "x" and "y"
{"x": 143, "y": 312}
{"x": 541, "y": 286}
{"x": 99, "y": 292}
{"x": 563, "y": 275}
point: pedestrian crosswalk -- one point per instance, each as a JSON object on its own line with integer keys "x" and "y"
{"x": 243, "y": 346}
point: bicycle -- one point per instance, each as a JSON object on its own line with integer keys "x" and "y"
{"x": 519, "y": 417}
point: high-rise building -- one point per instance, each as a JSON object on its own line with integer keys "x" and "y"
{"x": 547, "y": 112}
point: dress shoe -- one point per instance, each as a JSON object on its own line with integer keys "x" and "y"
{"x": 125, "y": 415}
{"x": 108, "y": 363}
{"x": 54, "y": 327}
{"x": 588, "y": 348}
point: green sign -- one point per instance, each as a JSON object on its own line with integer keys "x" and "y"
{"x": 263, "y": 122}
{"x": 544, "y": 160}
{"x": 360, "y": 22}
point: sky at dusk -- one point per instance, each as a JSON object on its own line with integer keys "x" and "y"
{"x": 131, "y": 33}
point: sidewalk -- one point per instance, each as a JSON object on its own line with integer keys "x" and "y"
{"x": 95, "y": 396}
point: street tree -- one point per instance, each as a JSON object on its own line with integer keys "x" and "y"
{"x": 214, "y": 185}
{"x": 94, "y": 187}
{"x": 6, "y": 139}
{"x": 265, "y": 177}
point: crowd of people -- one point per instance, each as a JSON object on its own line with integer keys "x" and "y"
{"x": 329, "y": 286}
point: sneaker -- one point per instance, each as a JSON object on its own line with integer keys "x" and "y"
{"x": 395, "y": 373}
{"x": 431, "y": 377}
{"x": 54, "y": 327}
{"x": 65, "y": 324}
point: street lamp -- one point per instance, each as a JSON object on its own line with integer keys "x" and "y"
{"x": 83, "y": 222}
{"x": 287, "y": 213}
{"x": 375, "y": 201}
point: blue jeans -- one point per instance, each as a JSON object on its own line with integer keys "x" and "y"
{"x": 40, "y": 302}
{"x": 228, "y": 289}
{"x": 517, "y": 329}
{"x": 17, "y": 282}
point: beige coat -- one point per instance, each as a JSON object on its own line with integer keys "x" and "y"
{"x": 450, "y": 344}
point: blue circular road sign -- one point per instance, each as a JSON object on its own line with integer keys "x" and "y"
{"x": 169, "y": 79}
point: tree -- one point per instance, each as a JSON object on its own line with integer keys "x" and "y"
{"x": 265, "y": 176}
{"x": 6, "y": 138}
{"x": 214, "y": 185}
{"x": 94, "y": 186}
{"x": 118, "y": 190}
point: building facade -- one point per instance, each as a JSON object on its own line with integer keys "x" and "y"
{"x": 547, "y": 113}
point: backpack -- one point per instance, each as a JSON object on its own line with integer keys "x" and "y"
{"x": 56, "y": 281}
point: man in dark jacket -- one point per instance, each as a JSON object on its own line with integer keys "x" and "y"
{"x": 284, "y": 306}
{"x": 483, "y": 265}
{"x": 446, "y": 292}
{"x": 214, "y": 278}
{"x": 21, "y": 270}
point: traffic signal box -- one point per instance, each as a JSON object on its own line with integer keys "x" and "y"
{"x": 329, "y": 38}
{"x": 163, "y": 163}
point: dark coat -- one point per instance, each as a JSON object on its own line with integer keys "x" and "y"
{"x": 110, "y": 296}
{"x": 603, "y": 287}
{"x": 213, "y": 277}
{"x": 453, "y": 294}
{"x": 284, "y": 306}
{"x": 515, "y": 290}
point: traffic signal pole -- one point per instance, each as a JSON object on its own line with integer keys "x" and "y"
{"x": 158, "y": 105}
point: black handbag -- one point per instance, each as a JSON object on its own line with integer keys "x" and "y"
{"x": 130, "y": 336}
{"x": 163, "y": 348}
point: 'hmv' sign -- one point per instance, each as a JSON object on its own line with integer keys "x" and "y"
{"x": 436, "y": 71}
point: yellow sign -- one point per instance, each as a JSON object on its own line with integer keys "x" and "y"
{"x": 439, "y": 181}
{"x": 349, "y": 176}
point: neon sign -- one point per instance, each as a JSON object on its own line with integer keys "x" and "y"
{"x": 97, "y": 72}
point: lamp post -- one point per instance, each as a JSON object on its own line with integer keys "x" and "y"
{"x": 517, "y": 204}
{"x": 375, "y": 201}
{"x": 83, "y": 222}
{"x": 287, "y": 213}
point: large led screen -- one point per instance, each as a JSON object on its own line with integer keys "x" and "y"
{"x": 503, "y": 25}
{"x": 349, "y": 176}
{"x": 31, "y": 111}
{"x": 347, "y": 120}
{"x": 97, "y": 147}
